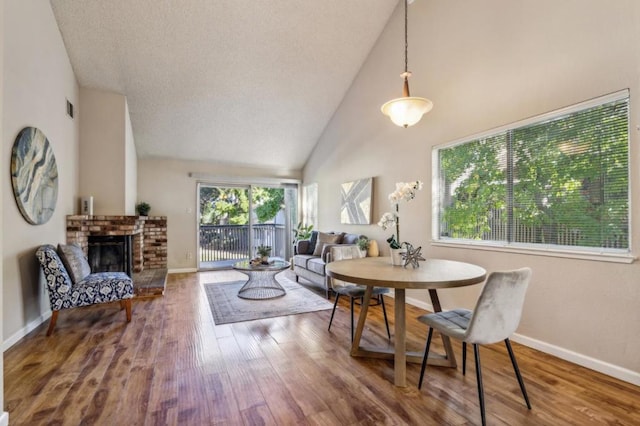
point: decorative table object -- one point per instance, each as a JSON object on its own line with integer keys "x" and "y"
{"x": 373, "y": 250}
{"x": 397, "y": 255}
{"x": 363, "y": 244}
{"x": 404, "y": 191}
{"x": 412, "y": 256}
{"x": 264, "y": 252}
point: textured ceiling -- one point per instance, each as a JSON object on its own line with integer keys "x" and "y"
{"x": 249, "y": 83}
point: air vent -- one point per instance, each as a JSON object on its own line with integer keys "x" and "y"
{"x": 69, "y": 109}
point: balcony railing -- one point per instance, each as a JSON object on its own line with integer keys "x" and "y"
{"x": 229, "y": 242}
{"x": 495, "y": 228}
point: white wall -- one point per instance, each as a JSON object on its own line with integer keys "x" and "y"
{"x": 131, "y": 166}
{"x": 486, "y": 64}
{"x": 4, "y": 417}
{"x": 37, "y": 78}
{"x": 167, "y": 187}
{"x": 107, "y": 140}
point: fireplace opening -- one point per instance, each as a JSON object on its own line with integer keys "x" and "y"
{"x": 111, "y": 253}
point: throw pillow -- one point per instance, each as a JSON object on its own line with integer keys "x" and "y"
{"x": 324, "y": 239}
{"x": 74, "y": 261}
{"x": 312, "y": 242}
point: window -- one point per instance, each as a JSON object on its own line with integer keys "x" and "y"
{"x": 559, "y": 180}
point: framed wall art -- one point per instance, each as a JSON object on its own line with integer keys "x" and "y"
{"x": 356, "y": 202}
{"x": 34, "y": 176}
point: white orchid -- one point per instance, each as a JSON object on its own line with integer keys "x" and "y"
{"x": 405, "y": 191}
{"x": 387, "y": 220}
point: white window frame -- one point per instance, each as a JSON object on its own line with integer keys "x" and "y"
{"x": 586, "y": 253}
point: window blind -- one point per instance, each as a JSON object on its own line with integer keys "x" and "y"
{"x": 560, "y": 180}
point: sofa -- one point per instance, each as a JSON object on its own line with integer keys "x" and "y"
{"x": 312, "y": 255}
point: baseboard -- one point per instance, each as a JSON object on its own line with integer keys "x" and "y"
{"x": 419, "y": 303}
{"x": 182, "y": 270}
{"x": 32, "y": 325}
{"x": 4, "y": 419}
{"x": 600, "y": 366}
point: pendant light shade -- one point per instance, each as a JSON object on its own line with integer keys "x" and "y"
{"x": 407, "y": 110}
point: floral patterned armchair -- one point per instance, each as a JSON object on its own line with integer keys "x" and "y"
{"x": 100, "y": 287}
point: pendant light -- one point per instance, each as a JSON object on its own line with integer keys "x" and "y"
{"x": 407, "y": 110}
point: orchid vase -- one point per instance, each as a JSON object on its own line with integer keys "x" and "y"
{"x": 396, "y": 256}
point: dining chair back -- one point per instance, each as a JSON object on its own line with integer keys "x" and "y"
{"x": 353, "y": 291}
{"x": 495, "y": 317}
{"x": 499, "y": 307}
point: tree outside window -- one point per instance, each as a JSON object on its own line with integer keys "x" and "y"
{"x": 561, "y": 181}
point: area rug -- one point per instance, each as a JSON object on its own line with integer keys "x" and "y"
{"x": 227, "y": 307}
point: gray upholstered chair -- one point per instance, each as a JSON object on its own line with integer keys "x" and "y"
{"x": 495, "y": 318}
{"x": 353, "y": 291}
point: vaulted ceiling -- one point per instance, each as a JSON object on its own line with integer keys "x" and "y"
{"x": 247, "y": 83}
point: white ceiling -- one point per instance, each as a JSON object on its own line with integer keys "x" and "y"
{"x": 250, "y": 83}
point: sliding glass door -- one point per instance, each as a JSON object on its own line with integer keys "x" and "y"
{"x": 235, "y": 219}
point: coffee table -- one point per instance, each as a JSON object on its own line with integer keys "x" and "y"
{"x": 262, "y": 283}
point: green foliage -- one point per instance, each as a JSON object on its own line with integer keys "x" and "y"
{"x": 302, "y": 232}
{"x": 263, "y": 251}
{"x": 570, "y": 182}
{"x": 230, "y": 206}
{"x": 143, "y": 208}
{"x": 268, "y": 202}
{"x": 363, "y": 243}
{"x": 208, "y": 195}
{"x": 474, "y": 170}
{"x": 393, "y": 243}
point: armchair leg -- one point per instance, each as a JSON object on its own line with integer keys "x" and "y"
{"x": 127, "y": 306}
{"x": 517, "y": 370}
{"x": 52, "y": 323}
{"x": 334, "y": 311}
{"x": 426, "y": 355}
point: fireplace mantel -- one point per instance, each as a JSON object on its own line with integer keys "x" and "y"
{"x": 149, "y": 235}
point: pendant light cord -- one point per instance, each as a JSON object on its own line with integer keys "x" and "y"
{"x": 406, "y": 42}
{"x": 407, "y": 110}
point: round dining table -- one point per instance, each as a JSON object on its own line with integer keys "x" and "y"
{"x": 431, "y": 275}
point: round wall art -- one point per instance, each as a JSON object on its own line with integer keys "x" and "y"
{"x": 34, "y": 176}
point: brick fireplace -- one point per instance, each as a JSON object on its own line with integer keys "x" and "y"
{"x": 148, "y": 235}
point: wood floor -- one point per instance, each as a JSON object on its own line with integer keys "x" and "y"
{"x": 172, "y": 365}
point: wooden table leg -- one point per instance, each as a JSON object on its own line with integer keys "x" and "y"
{"x": 399, "y": 352}
{"x": 400, "y": 356}
{"x": 450, "y": 356}
{"x": 355, "y": 346}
